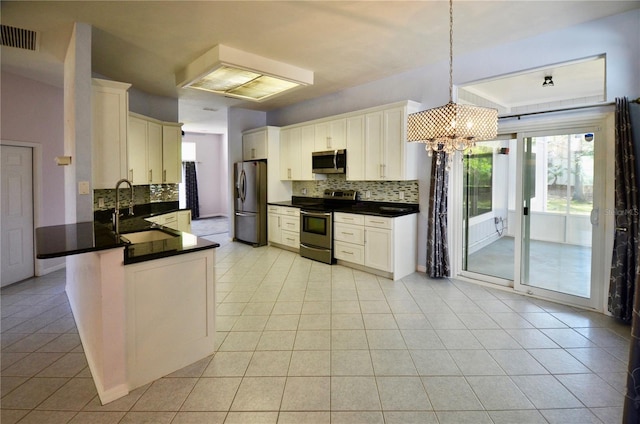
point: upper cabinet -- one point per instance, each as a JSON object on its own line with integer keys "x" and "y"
{"x": 110, "y": 104}
{"x": 375, "y": 140}
{"x": 330, "y": 135}
{"x": 255, "y": 144}
{"x": 154, "y": 151}
{"x": 171, "y": 153}
{"x": 296, "y": 146}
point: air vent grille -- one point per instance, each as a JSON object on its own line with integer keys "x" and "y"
{"x": 18, "y": 37}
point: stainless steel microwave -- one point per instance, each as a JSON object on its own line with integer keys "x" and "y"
{"x": 329, "y": 162}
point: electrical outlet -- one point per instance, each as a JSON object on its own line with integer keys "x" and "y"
{"x": 101, "y": 202}
{"x": 304, "y": 191}
{"x": 367, "y": 194}
{"x": 401, "y": 195}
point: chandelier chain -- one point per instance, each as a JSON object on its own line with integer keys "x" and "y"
{"x": 450, "y": 51}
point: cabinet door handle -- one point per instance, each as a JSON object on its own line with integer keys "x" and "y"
{"x": 131, "y": 174}
{"x": 164, "y": 175}
{"x": 329, "y": 142}
{"x": 150, "y": 175}
{"x": 289, "y": 173}
{"x": 347, "y": 234}
{"x": 346, "y": 253}
{"x": 377, "y": 222}
{"x": 381, "y": 172}
{"x": 253, "y": 153}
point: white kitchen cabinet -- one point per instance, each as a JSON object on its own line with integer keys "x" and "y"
{"x": 330, "y": 135}
{"x": 385, "y": 146}
{"x": 171, "y": 153}
{"x": 154, "y": 151}
{"x": 290, "y": 154}
{"x": 110, "y": 105}
{"x": 378, "y": 249}
{"x": 254, "y": 144}
{"x": 377, "y": 147}
{"x": 284, "y": 227}
{"x": 355, "y": 148}
{"x": 296, "y": 146}
{"x": 144, "y": 150}
{"x": 382, "y": 245}
{"x": 307, "y": 134}
{"x": 180, "y": 220}
{"x": 184, "y": 221}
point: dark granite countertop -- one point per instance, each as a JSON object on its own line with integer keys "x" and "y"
{"x": 71, "y": 239}
{"x": 386, "y": 209}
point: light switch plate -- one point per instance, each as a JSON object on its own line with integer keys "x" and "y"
{"x": 83, "y": 187}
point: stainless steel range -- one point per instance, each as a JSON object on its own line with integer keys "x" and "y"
{"x": 316, "y": 223}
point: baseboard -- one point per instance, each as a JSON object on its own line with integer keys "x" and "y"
{"x": 212, "y": 216}
{"x": 421, "y": 268}
{"x": 43, "y": 269}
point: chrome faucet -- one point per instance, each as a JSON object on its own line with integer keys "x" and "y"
{"x": 116, "y": 213}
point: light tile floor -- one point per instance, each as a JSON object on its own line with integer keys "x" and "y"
{"x": 304, "y": 342}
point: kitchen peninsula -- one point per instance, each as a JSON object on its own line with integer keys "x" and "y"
{"x": 143, "y": 301}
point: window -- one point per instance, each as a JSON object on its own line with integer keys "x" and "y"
{"x": 478, "y": 178}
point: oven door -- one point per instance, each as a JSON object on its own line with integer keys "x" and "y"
{"x": 316, "y": 229}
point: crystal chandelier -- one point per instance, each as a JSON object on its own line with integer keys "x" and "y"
{"x": 453, "y": 127}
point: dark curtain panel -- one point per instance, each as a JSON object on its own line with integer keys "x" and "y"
{"x": 625, "y": 245}
{"x": 437, "y": 252}
{"x": 625, "y": 254}
{"x": 191, "y": 184}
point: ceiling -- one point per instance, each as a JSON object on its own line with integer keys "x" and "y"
{"x": 345, "y": 43}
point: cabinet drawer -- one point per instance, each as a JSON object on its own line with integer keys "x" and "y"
{"x": 291, "y": 238}
{"x": 348, "y": 233}
{"x": 349, "y": 252}
{"x": 378, "y": 222}
{"x": 274, "y": 209}
{"x": 290, "y": 211}
{"x": 348, "y": 218}
{"x": 291, "y": 223}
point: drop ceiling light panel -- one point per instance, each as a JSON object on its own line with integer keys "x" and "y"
{"x": 235, "y": 73}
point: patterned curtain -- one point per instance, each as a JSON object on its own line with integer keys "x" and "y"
{"x": 624, "y": 292}
{"x": 437, "y": 252}
{"x": 625, "y": 245}
{"x": 191, "y": 184}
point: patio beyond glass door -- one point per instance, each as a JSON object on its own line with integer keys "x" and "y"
{"x": 558, "y": 209}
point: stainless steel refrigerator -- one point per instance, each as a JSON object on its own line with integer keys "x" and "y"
{"x": 251, "y": 202}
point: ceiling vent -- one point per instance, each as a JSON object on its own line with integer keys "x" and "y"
{"x": 19, "y": 38}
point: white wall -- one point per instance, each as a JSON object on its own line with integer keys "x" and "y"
{"x": 213, "y": 173}
{"x": 32, "y": 113}
{"x": 616, "y": 36}
{"x": 77, "y": 129}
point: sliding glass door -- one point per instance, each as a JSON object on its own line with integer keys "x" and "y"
{"x": 531, "y": 213}
{"x": 560, "y": 215}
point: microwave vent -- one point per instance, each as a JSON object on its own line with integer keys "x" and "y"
{"x": 19, "y": 38}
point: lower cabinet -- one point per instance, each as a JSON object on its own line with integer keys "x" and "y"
{"x": 180, "y": 220}
{"x": 385, "y": 246}
{"x": 284, "y": 227}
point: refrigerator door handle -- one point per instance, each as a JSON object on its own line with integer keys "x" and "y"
{"x": 243, "y": 189}
{"x": 244, "y": 214}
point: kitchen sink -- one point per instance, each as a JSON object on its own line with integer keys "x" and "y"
{"x": 146, "y": 236}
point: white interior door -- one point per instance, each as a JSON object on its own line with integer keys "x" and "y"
{"x": 16, "y": 223}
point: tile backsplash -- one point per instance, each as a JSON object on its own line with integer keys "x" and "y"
{"x": 381, "y": 191}
{"x": 141, "y": 194}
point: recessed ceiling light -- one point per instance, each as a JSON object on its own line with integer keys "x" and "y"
{"x": 235, "y": 73}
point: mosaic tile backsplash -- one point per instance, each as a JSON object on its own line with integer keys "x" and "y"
{"x": 381, "y": 191}
{"x": 141, "y": 194}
